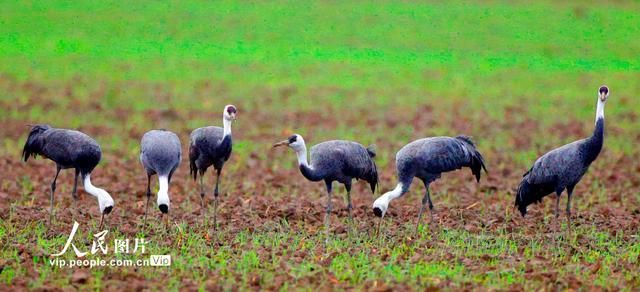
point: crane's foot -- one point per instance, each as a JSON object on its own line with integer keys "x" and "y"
{"x": 569, "y": 223}
{"x": 326, "y": 228}
{"x": 415, "y": 232}
{"x": 350, "y": 223}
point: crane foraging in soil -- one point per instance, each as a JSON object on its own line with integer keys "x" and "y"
{"x": 211, "y": 146}
{"x": 160, "y": 153}
{"x": 563, "y": 167}
{"x": 69, "y": 149}
{"x": 336, "y": 160}
{"x": 427, "y": 159}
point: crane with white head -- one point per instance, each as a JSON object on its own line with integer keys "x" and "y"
{"x": 562, "y": 168}
{"x": 427, "y": 159}
{"x": 69, "y": 149}
{"x": 336, "y": 160}
{"x": 160, "y": 153}
{"x": 211, "y": 146}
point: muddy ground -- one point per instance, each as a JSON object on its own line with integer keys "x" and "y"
{"x": 262, "y": 187}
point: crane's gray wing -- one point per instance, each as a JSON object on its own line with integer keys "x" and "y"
{"x": 554, "y": 164}
{"x": 442, "y": 154}
{"x": 344, "y": 159}
{"x": 160, "y": 151}
{"x": 357, "y": 160}
{"x": 70, "y": 147}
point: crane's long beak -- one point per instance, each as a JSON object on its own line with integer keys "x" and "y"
{"x": 281, "y": 143}
{"x": 101, "y": 221}
{"x": 603, "y": 97}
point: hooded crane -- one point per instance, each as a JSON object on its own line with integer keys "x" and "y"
{"x": 562, "y": 168}
{"x": 427, "y": 159}
{"x": 69, "y": 149}
{"x": 160, "y": 153}
{"x": 211, "y": 146}
{"x": 335, "y": 160}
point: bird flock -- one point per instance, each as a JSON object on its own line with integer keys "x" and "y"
{"x": 337, "y": 160}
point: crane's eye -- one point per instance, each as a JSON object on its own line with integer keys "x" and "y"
{"x": 231, "y": 110}
{"x": 293, "y": 139}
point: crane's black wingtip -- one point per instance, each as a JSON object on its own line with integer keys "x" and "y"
{"x": 107, "y": 210}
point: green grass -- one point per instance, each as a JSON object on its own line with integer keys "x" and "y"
{"x": 481, "y": 57}
{"x": 108, "y": 66}
{"x": 351, "y": 260}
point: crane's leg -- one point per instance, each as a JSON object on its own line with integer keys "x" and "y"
{"x": 146, "y": 208}
{"x": 349, "y": 204}
{"x": 430, "y": 205}
{"x": 215, "y": 199}
{"x": 74, "y": 194}
{"x": 328, "y": 212}
{"x": 557, "y": 205}
{"x": 53, "y": 190}
{"x": 201, "y": 192}
{"x": 425, "y": 200}
{"x": 568, "y": 211}
{"x": 557, "y": 214}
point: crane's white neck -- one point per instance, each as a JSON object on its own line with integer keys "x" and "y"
{"x": 163, "y": 191}
{"x": 104, "y": 199}
{"x": 226, "y": 126}
{"x": 383, "y": 201}
{"x": 599, "y": 110}
{"x": 301, "y": 152}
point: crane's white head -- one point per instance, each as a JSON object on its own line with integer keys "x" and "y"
{"x": 603, "y": 93}
{"x": 295, "y": 142}
{"x": 380, "y": 206}
{"x": 229, "y": 113}
{"x": 105, "y": 202}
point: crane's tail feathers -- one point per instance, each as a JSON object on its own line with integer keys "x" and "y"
{"x": 466, "y": 139}
{"x": 34, "y": 143}
{"x": 371, "y": 149}
{"x": 523, "y": 190}
{"x": 374, "y": 181}
{"x": 193, "y": 169}
{"x": 477, "y": 161}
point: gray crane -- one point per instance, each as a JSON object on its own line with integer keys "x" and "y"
{"x": 211, "y": 146}
{"x": 427, "y": 159}
{"x": 160, "y": 153}
{"x": 562, "y": 168}
{"x": 69, "y": 149}
{"x": 336, "y": 160}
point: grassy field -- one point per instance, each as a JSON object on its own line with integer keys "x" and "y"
{"x": 520, "y": 78}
